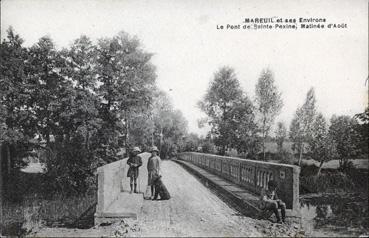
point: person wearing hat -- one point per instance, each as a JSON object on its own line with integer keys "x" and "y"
{"x": 153, "y": 168}
{"x": 134, "y": 162}
{"x": 271, "y": 202}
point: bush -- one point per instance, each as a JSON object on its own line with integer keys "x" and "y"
{"x": 286, "y": 158}
{"x": 71, "y": 170}
{"x": 208, "y": 147}
{"x": 327, "y": 182}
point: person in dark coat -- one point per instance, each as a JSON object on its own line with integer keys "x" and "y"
{"x": 160, "y": 189}
{"x": 134, "y": 162}
{"x": 270, "y": 201}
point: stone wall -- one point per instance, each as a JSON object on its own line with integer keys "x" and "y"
{"x": 113, "y": 180}
{"x": 252, "y": 175}
{"x": 109, "y": 183}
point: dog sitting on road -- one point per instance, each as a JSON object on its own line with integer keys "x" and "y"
{"x": 160, "y": 189}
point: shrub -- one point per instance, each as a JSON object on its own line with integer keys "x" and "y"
{"x": 327, "y": 182}
{"x": 286, "y": 157}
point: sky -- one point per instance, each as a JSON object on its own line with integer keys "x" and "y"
{"x": 188, "y": 48}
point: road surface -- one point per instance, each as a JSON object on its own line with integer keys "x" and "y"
{"x": 193, "y": 210}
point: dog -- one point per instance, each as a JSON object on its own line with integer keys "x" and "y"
{"x": 160, "y": 189}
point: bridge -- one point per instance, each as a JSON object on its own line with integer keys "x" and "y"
{"x": 237, "y": 179}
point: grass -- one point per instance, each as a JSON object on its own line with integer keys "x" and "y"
{"x": 19, "y": 218}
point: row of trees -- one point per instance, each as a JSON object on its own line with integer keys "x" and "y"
{"x": 79, "y": 106}
{"x": 237, "y": 122}
{"x": 343, "y": 137}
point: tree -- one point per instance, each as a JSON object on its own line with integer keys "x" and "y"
{"x": 17, "y": 118}
{"x": 246, "y": 138}
{"x": 222, "y": 98}
{"x": 280, "y": 134}
{"x": 347, "y": 138}
{"x": 363, "y": 129}
{"x": 80, "y": 69}
{"x": 170, "y": 125}
{"x": 75, "y": 104}
{"x": 322, "y": 147}
{"x": 302, "y": 123}
{"x": 127, "y": 80}
{"x": 192, "y": 142}
{"x": 268, "y": 102}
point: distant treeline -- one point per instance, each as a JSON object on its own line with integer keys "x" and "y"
{"x": 242, "y": 124}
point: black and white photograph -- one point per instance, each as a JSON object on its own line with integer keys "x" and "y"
{"x": 184, "y": 118}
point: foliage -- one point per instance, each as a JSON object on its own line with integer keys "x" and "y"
{"x": 286, "y": 157}
{"x": 246, "y": 139}
{"x": 327, "y": 182}
{"x": 73, "y": 104}
{"x": 302, "y": 123}
{"x": 207, "y": 146}
{"x": 228, "y": 111}
{"x": 322, "y": 146}
{"x": 127, "y": 81}
{"x": 346, "y": 137}
{"x": 170, "y": 126}
{"x": 363, "y": 129}
{"x": 268, "y": 103}
{"x": 192, "y": 142}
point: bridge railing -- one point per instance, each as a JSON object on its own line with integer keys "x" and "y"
{"x": 252, "y": 175}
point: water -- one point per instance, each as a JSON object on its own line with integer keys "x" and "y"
{"x": 335, "y": 214}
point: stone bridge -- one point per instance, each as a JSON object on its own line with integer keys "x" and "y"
{"x": 242, "y": 179}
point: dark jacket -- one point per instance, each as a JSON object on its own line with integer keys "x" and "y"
{"x": 134, "y": 163}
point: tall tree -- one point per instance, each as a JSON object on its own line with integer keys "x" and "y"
{"x": 218, "y": 103}
{"x": 17, "y": 118}
{"x": 127, "y": 80}
{"x": 170, "y": 125}
{"x": 343, "y": 131}
{"x": 245, "y": 128}
{"x": 280, "y": 135}
{"x": 268, "y": 102}
{"x": 80, "y": 68}
{"x": 302, "y": 123}
{"x": 322, "y": 147}
{"x": 52, "y": 90}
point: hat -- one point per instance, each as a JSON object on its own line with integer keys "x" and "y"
{"x": 136, "y": 149}
{"x": 272, "y": 184}
{"x": 154, "y": 148}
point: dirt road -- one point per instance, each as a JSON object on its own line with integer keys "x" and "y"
{"x": 192, "y": 211}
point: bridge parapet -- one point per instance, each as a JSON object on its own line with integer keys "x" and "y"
{"x": 109, "y": 183}
{"x": 252, "y": 175}
{"x": 113, "y": 198}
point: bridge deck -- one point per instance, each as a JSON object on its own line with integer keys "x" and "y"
{"x": 193, "y": 210}
{"x": 246, "y": 201}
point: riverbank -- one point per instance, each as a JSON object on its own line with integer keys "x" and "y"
{"x": 335, "y": 214}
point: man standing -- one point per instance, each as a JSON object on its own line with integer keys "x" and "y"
{"x": 134, "y": 161}
{"x": 153, "y": 168}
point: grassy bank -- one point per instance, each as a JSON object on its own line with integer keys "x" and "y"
{"x": 352, "y": 180}
{"x": 35, "y": 211}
